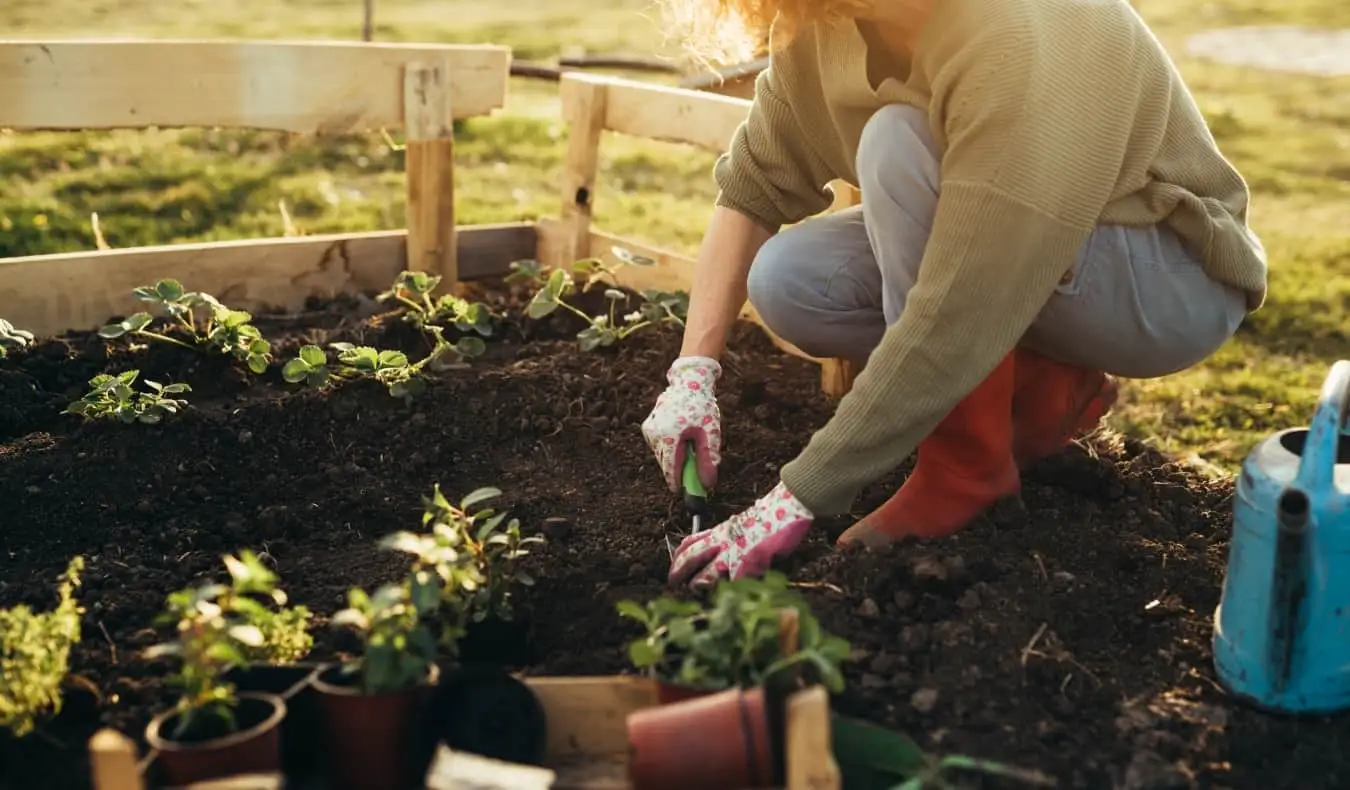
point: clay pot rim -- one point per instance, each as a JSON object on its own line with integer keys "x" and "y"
{"x": 324, "y": 687}
{"x": 163, "y": 743}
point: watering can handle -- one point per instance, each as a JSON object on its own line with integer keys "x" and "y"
{"x": 1317, "y": 469}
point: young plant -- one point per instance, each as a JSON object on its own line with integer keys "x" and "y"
{"x": 210, "y": 325}
{"x": 399, "y": 650}
{"x": 216, "y": 626}
{"x": 527, "y": 272}
{"x": 474, "y": 553}
{"x": 734, "y": 641}
{"x": 35, "y": 655}
{"x": 286, "y": 636}
{"x": 403, "y": 378}
{"x": 601, "y": 331}
{"x": 114, "y": 397}
{"x": 10, "y": 337}
{"x": 413, "y": 290}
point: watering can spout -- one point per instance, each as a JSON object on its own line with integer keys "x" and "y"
{"x": 1289, "y": 585}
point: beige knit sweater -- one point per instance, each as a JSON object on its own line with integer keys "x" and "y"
{"x": 1053, "y": 116}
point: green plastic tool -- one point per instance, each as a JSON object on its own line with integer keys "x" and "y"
{"x": 695, "y": 496}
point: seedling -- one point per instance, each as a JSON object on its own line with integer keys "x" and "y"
{"x": 399, "y": 650}
{"x": 528, "y": 272}
{"x": 604, "y": 330}
{"x": 413, "y": 290}
{"x": 286, "y": 636}
{"x": 10, "y": 337}
{"x": 733, "y": 642}
{"x": 218, "y": 629}
{"x": 35, "y": 655}
{"x": 474, "y": 553}
{"x": 210, "y": 325}
{"x": 403, "y": 379}
{"x": 114, "y": 397}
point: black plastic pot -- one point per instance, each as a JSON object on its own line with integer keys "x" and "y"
{"x": 209, "y": 751}
{"x": 372, "y": 740}
{"x": 508, "y": 643}
{"x": 301, "y": 743}
{"x": 484, "y": 710}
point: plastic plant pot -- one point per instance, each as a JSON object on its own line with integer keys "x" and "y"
{"x": 372, "y": 739}
{"x": 669, "y": 693}
{"x": 210, "y": 752}
{"x": 719, "y": 741}
{"x": 484, "y": 710}
{"x": 300, "y": 729}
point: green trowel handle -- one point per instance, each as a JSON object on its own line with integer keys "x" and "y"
{"x": 695, "y": 497}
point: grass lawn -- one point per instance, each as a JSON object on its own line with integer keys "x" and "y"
{"x": 1289, "y": 135}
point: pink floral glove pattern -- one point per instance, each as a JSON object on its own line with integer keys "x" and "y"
{"x": 745, "y": 544}
{"x": 687, "y": 411}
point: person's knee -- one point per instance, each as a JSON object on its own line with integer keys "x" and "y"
{"x": 895, "y": 138}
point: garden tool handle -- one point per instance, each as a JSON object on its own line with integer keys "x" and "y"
{"x": 695, "y": 497}
{"x": 1317, "y": 467}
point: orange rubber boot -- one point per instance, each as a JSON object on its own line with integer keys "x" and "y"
{"x": 964, "y": 466}
{"x": 1054, "y": 403}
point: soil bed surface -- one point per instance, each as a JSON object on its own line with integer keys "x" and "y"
{"x": 1070, "y": 634}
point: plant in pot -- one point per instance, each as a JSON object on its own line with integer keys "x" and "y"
{"x": 370, "y": 706}
{"x": 464, "y": 569}
{"x": 35, "y": 655}
{"x": 724, "y": 671}
{"x": 476, "y": 553}
{"x": 214, "y": 730}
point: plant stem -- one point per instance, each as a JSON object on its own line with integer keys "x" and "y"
{"x": 165, "y": 338}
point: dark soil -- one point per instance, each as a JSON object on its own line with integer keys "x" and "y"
{"x": 1069, "y": 635}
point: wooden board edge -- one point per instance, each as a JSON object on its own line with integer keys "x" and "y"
{"x": 587, "y": 715}
{"x": 810, "y": 758}
{"x": 53, "y": 294}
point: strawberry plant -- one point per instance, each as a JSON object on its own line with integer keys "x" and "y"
{"x": 733, "y": 641}
{"x": 10, "y": 337}
{"x": 414, "y": 291}
{"x": 209, "y": 325}
{"x": 403, "y": 378}
{"x": 218, "y": 627}
{"x": 601, "y": 331}
{"x": 114, "y": 397}
{"x": 35, "y": 655}
{"x": 474, "y": 553}
{"x": 397, "y": 648}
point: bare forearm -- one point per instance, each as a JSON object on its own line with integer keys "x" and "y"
{"x": 718, "y": 292}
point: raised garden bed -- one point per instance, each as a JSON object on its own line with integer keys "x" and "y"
{"x": 1070, "y": 635}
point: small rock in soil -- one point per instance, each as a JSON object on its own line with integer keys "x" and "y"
{"x": 924, "y": 700}
{"x": 869, "y": 609}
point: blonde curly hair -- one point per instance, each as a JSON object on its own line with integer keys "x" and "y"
{"x": 729, "y": 31}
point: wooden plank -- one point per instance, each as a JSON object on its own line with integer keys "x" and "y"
{"x": 430, "y": 165}
{"x": 673, "y": 115}
{"x": 587, "y": 716}
{"x": 583, "y": 108}
{"x": 309, "y": 87}
{"x": 810, "y": 761}
{"x": 50, "y": 294}
{"x": 451, "y": 770}
{"x": 672, "y": 272}
{"x": 112, "y": 762}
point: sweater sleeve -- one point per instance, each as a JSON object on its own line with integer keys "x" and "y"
{"x": 1034, "y": 139}
{"x": 771, "y": 172}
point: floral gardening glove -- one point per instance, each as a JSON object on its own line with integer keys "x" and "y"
{"x": 687, "y": 411}
{"x": 744, "y": 544}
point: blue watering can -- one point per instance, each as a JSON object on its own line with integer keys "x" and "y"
{"x": 1282, "y": 629}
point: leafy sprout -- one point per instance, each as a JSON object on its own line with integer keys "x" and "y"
{"x": 210, "y": 325}
{"x": 114, "y": 397}
{"x": 218, "y": 627}
{"x": 403, "y": 378}
{"x": 414, "y": 291}
{"x": 35, "y": 655}
{"x": 734, "y": 641}
{"x": 398, "y": 649}
{"x": 11, "y": 337}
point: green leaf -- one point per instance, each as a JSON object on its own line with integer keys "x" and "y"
{"x": 633, "y": 610}
{"x": 393, "y": 359}
{"x": 257, "y": 363}
{"x": 615, "y": 295}
{"x": 313, "y": 356}
{"x": 249, "y": 635}
{"x": 477, "y": 496}
{"x": 632, "y": 258}
{"x": 470, "y": 346}
{"x": 296, "y": 370}
{"x": 541, "y": 305}
{"x": 169, "y": 290}
{"x": 557, "y": 284}
{"x": 643, "y": 653}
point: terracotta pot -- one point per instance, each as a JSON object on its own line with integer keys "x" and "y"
{"x": 667, "y": 693}
{"x": 300, "y": 738}
{"x": 719, "y": 741}
{"x": 210, "y": 753}
{"x": 371, "y": 739}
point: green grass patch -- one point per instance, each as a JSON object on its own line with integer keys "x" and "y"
{"x": 1288, "y": 134}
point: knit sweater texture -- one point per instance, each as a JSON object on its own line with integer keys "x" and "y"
{"x": 1053, "y": 116}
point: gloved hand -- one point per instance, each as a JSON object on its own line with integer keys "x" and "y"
{"x": 687, "y": 411}
{"x": 745, "y": 544}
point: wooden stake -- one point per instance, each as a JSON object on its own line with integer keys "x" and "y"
{"x": 112, "y": 762}
{"x": 810, "y": 761}
{"x": 428, "y": 125}
{"x": 583, "y": 107}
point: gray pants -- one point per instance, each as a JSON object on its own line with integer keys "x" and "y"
{"x": 1136, "y": 304}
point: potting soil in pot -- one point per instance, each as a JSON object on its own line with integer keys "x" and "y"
{"x": 1071, "y": 636}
